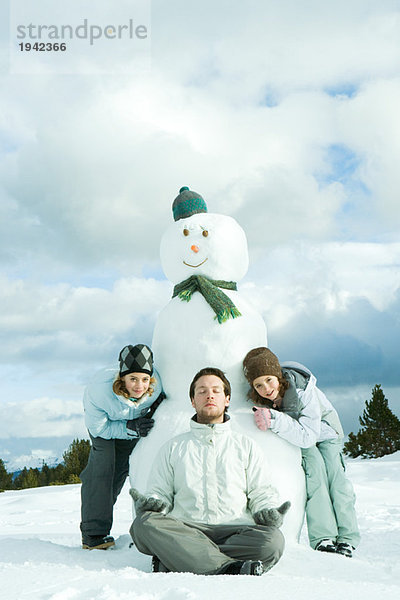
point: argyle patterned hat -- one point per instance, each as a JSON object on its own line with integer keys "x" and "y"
{"x": 188, "y": 203}
{"x": 135, "y": 359}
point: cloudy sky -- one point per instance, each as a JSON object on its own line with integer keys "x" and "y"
{"x": 282, "y": 114}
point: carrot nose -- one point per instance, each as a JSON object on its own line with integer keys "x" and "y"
{"x": 194, "y": 248}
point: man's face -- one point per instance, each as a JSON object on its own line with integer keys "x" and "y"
{"x": 209, "y": 400}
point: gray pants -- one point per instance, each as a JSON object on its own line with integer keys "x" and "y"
{"x": 204, "y": 549}
{"x": 102, "y": 481}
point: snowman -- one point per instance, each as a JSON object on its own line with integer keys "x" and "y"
{"x": 207, "y": 323}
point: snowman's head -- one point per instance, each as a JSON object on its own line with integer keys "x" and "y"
{"x": 207, "y": 244}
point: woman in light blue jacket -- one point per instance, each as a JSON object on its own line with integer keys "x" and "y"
{"x": 289, "y": 404}
{"x": 119, "y": 405}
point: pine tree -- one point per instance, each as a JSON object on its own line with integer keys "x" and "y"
{"x": 75, "y": 460}
{"x": 56, "y": 475}
{"x": 380, "y": 429}
{"x": 5, "y": 477}
{"x": 28, "y": 478}
{"x": 44, "y": 475}
{"x": 32, "y": 479}
{"x": 20, "y": 479}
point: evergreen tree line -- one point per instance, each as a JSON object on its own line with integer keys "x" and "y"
{"x": 379, "y": 435}
{"x": 74, "y": 461}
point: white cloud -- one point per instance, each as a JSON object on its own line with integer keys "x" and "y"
{"x": 61, "y": 322}
{"x": 370, "y": 124}
{"x": 325, "y": 278}
{"x": 42, "y": 417}
{"x": 240, "y": 51}
{"x": 89, "y": 203}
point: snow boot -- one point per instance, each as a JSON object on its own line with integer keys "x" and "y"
{"x": 97, "y": 542}
{"x": 252, "y": 567}
{"x": 157, "y": 566}
{"x": 326, "y": 545}
{"x": 345, "y": 549}
{"x": 243, "y": 567}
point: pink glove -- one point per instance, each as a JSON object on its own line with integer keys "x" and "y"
{"x": 262, "y": 417}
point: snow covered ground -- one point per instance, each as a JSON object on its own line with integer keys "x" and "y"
{"x": 41, "y": 558}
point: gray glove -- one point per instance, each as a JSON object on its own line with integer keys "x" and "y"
{"x": 143, "y": 503}
{"x": 272, "y": 516}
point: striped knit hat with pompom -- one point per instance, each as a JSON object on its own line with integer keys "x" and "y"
{"x": 188, "y": 203}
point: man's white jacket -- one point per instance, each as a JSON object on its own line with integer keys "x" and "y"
{"x": 212, "y": 475}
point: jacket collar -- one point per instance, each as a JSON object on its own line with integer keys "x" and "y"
{"x": 201, "y": 429}
{"x": 131, "y": 402}
{"x": 290, "y": 401}
{"x": 297, "y": 377}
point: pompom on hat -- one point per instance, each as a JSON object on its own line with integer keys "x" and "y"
{"x": 188, "y": 203}
{"x": 261, "y": 361}
{"x": 135, "y": 359}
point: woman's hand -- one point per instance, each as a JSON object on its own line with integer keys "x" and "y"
{"x": 262, "y": 417}
{"x": 141, "y": 426}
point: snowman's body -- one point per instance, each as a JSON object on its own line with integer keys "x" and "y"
{"x": 187, "y": 337}
{"x": 207, "y": 344}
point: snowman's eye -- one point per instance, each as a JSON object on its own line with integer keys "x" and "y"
{"x": 205, "y": 233}
{"x": 186, "y": 231}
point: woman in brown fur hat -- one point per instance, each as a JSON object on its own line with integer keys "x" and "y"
{"x": 288, "y": 403}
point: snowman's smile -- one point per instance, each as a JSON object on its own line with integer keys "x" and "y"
{"x": 194, "y": 266}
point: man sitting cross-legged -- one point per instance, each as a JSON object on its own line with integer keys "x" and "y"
{"x": 209, "y": 508}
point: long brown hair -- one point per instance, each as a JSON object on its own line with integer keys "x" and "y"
{"x": 120, "y": 389}
{"x": 255, "y": 397}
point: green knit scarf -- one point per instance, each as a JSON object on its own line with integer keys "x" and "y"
{"x": 223, "y": 306}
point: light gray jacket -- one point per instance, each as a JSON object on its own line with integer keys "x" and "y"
{"x": 306, "y": 415}
{"x": 212, "y": 475}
